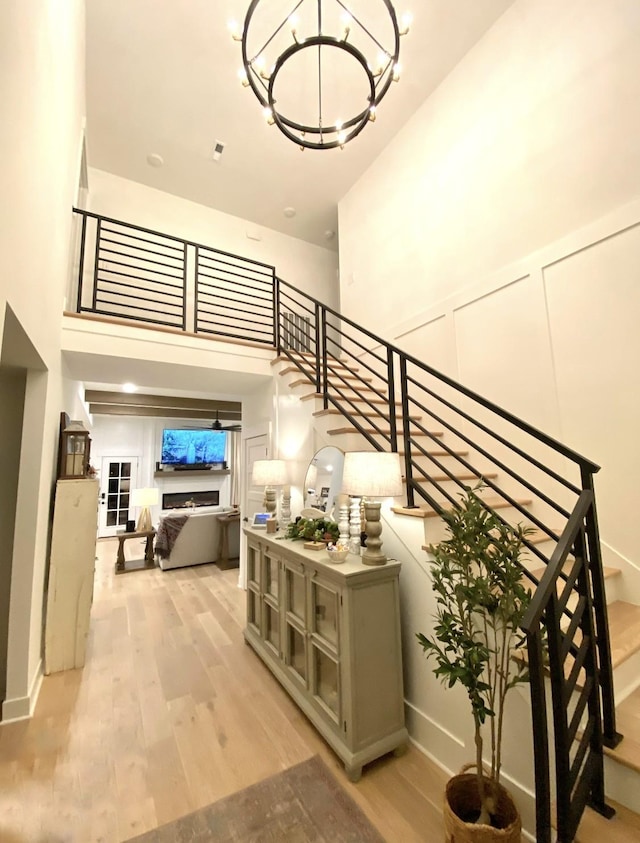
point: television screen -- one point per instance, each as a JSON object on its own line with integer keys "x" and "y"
{"x": 192, "y": 447}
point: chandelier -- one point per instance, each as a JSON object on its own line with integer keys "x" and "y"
{"x": 320, "y": 68}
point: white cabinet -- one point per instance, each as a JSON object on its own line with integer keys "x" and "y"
{"x": 331, "y": 635}
{"x": 71, "y": 572}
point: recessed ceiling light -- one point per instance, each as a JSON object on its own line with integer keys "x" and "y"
{"x": 289, "y": 212}
{"x": 155, "y": 160}
{"x": 129, "y": 387}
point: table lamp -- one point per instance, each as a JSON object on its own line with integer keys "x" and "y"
{"x": 144, "y": 498}
{"x": 269, "y": 473}
{"x": 372, "y": 474}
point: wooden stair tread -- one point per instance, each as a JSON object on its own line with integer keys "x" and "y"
{"x": 334, "y": 411}
{"x": 283, "y": 358}
{"x": 348, "y": 374}
{"x": 609, "y": 573}
{"x": 312, "y": 395}
{"x": 628, "y": 724}
{"x": 453, "y": 453}
{"x": 624, "y": 630}
{"x": 623, "y": 828}
{"x": 538, "y": 573}
{"x": 308, "y": 358}
{"x": 424, "y": 511}
{"x": 444, "y": 478}
{"x": 302, "y": 382}
{"x": 383, "y": 431}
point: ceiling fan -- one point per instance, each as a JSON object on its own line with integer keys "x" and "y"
{"x": 217, "y": 425}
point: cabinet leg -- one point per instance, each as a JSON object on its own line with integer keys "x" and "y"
{"x": 401, "y": 750}
{"x": 354, "y": 774}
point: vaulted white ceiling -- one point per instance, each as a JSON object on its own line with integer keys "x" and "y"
{"x": 162, "y": 78}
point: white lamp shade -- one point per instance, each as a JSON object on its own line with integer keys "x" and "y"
{"x": 373, "y": 474}
{"x": 269, "y": 473}
{"x": 144, "y": 497}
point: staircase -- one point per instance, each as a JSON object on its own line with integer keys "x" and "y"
{"x": 370, "y": 394}
{"x": 365, "y": 401}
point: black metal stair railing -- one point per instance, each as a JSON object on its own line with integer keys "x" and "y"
{"x": 129, "y": 272}
{"x": 449, "y": 438}
{"x": 399, "y": 403}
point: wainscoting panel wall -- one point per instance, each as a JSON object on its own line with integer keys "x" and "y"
{"x": 594, "y": 312}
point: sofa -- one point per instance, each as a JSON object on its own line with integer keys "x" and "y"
{"x": 196, "y": 537}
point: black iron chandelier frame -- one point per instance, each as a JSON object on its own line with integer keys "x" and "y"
{"x": 378, "y": 81}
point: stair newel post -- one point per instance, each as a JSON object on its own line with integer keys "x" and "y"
{"x": 610, "y": 736}
{"x": 587, "y": 625}
{"x": 318, "y": 349}
{"x": 560, "y": 727}
{"x": 324, "y": 376}
{"x": 196, "y": 290}
{"x": 96, "y": 264}
{"x": 276, "y": 313}
{"x": 406, "y": 432}
{"x": 541, "y": 732}
{"x": 392, "y": 400}
{"x": 83, "y": 242}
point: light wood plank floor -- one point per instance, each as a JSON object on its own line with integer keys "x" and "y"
{"x": 173, "y": 711}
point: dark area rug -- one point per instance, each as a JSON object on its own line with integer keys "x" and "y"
{"x": 304, "y": 804}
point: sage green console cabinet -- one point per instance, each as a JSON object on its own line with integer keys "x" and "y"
{"x": 330, "y": 634}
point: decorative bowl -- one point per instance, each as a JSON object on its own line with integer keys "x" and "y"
{"x": 336, "y": 555}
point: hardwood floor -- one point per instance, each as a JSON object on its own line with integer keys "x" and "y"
{"x": 173, "y": 711}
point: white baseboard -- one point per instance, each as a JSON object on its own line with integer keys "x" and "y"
{"x": 21, "y": 708}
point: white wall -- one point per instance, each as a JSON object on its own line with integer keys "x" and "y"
{"x": 530, "y": 137}
{"x": 501, "y": 231}
{"x": 42, "y": 95}
{"x": 308, "y": 267}
{"x": 506, "y": 238}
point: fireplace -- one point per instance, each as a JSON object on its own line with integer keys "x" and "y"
{"x": 190, "y": 500}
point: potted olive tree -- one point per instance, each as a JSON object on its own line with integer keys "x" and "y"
{"x": 481, "y": 600}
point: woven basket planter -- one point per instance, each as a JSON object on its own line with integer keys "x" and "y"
{"x": 462, "y": 800}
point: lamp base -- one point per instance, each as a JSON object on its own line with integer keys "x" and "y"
{"x": 144, "y": 524}
{"x": 371, "y": 553}
{"x": 372, "y": 558}
{"x": 270, "y": 503}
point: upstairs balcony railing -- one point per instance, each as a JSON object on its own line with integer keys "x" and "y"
{"x": 134, "y": 273}
{"x": 449, "y": 438}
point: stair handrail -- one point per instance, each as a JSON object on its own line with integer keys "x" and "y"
{"x": 538, "y": 434}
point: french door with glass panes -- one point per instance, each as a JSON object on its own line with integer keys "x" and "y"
{"x": 118, "y": 478}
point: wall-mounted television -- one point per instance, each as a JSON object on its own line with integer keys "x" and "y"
{"x": 193, "y": 447}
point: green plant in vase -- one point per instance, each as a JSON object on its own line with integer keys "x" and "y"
{"x": 481, "y": 601}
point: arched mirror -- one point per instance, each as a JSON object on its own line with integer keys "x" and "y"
{"x": 323, "y": 480}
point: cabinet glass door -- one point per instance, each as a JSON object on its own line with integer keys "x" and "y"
{"x": 324, "y": 603}
{"x": 325, "y": 681}
{"x": 271, "y": 632}
{"x": 253, "y": 565}
{"x": 295, "y": 593}
{"x": 253, "y": 609}
{"x": 272, "y": 573}
{"x": 296, "y": 652}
